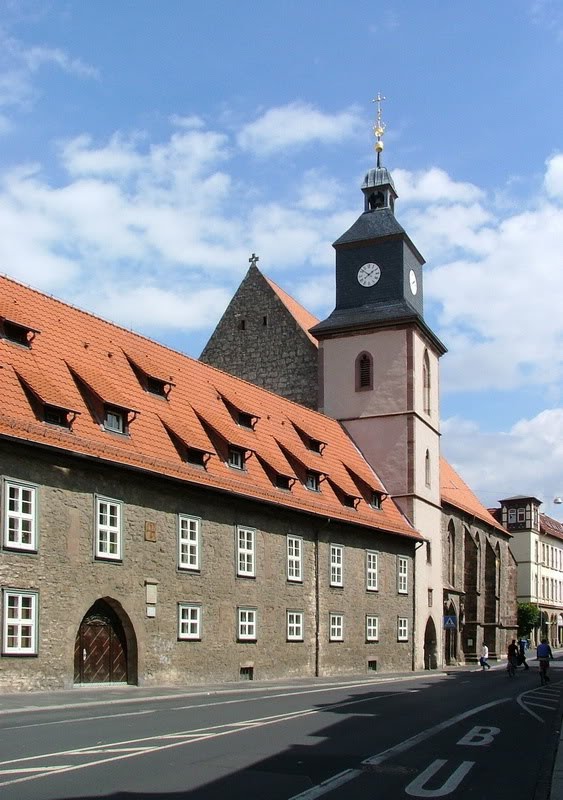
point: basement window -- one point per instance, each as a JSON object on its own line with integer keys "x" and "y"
{"x": 246, "y": 673}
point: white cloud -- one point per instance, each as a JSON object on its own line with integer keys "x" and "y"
{"x": 554, "y": 176}
{"x": 526, "y": 459}
{"x": 433, "y": 185}
{"x": 295, "y": 125}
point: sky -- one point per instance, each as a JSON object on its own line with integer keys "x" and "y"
{"x": 148, "y": 149}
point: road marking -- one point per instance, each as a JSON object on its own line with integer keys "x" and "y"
{"x": 79, "y": 719}
{"x": 416, "y": 787}
{"x": 351, "y": 774}
{"x": 131, "y": 748}
{"x": 532, "y": 696}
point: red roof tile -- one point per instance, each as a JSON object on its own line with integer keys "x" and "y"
{"x": 457, "y": 493}
{"x": 304, "y": 318}
{"x": 551, "y": 527}
{"x": 95, "y": 349}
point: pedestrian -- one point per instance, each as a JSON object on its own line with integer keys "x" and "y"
{"x": 484, "y": 657}
{"x": 544, "y": 655}
{"x": 522, "y": 645}
{"x": 512, "y": 658}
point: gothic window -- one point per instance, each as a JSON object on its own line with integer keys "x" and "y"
{"x": 427, "y": 468}
{"x": 364, "y": 372}
{"x": 451, "y": 553}
{"x": 426, "y": 382}
{"x": 478, "y": 546}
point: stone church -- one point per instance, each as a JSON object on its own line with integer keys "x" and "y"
{"x": 373, "y": 364}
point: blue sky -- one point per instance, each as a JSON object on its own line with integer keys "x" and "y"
{"x": 147, "y": 149}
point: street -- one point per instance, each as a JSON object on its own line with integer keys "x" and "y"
{"x": 466, "y": 734}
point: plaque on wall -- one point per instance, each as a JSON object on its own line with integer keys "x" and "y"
{"x": 150, "y": 531}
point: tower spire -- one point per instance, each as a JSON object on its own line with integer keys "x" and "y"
{"x": 379, "y": 128}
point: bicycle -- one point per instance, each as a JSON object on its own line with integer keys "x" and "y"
{"x": 544, "y": 669}
{"x": 511, "y": 668}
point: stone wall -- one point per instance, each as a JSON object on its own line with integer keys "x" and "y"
{"x": 69, "y": 580}
{"x": 257, "y": 339}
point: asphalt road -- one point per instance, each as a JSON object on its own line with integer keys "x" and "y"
{"x": 464, "y": 735}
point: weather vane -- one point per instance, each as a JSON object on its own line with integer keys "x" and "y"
{"x": 379, "y": 128}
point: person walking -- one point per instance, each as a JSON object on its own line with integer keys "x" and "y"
{"x": 512, "y": 658}
{"x": 484, "y": 657}
{"x": 522, "y": 646}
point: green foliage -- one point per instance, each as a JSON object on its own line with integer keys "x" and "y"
{"x": 528, "y": 618}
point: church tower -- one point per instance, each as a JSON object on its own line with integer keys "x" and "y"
{"x": 379, "y": 373}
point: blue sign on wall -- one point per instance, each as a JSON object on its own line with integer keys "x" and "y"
{"x": 450, "y": 622}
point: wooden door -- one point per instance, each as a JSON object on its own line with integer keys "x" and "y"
{"x": 100, "y": 652}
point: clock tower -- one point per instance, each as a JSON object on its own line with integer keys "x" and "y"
{"x": 379, "y": 376}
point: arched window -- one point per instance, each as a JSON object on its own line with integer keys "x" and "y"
{"x": 426, "y": 382}
{"x": 427, "y": 468}
{"x": 451, "y": 552}
{"x": 478, "y": 570}
{"x": 364, "y": 372}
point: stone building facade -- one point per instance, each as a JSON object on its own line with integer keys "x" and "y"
{"x": 166, "y": 523}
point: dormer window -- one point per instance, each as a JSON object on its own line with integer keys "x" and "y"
{"x": 56, "y": 416}
{"x": 312, "y": 481}
{"x": 196, "y": 457}
{"x": 18, "y": 333}
{"x": 375, "y": 500}
{"x": 283, "y": 482}
{"x": 245, "y": 420}
{"x": 349, "y": 501}
{"x": 235, "y": 459}
{"x": 315, "y": 445}
{"x": 157, "y": 386}
{"x": 115, "y": 420}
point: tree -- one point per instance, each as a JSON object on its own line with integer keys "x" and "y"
{"x": 528, "y": 618}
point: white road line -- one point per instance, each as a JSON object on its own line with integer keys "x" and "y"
{"x": 28, "y": 769}
{"x": 79, "y": 719}
{"x": 349, "y": 775}
{"x": 540, "y": 705}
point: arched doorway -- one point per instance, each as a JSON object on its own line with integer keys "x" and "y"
{"x": 451, "y": 638}
{"x": 430, "y": 646}
{"x": 101, "y": 649}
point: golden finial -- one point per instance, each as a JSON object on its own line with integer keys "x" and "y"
{"x": 379, "y": 127}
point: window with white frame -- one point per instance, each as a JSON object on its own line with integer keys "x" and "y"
{"x": 294, "y": 558}
{"x": 188, "y": 542}
{"x": 336, "y": 628}
{"x": 511, "y": 516}
{"x": 371, "y": 571}
{"x": 108, "y": 529}
{"x": 19, "y": 622}
{"x": 189, "y": 621}
{"x": 372, "y": 628}
{"x": 246, "y": 552}
{"x": 402, "y": 575}
{"x": 247, "y": 624}
{"x": 336, "y": 564}
{"x": 20, "y": 523}
{"x": 295, "y": 626}
{"x": 115, "y": 420}
{"x": 235, "y": 458}
{"x": 402, "y": 629}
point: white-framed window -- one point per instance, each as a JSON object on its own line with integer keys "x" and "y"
{"x": 20, "y": 518}
{"x": 19, "y": 623}
{"x": 114, "y": 420}
{"x": 402, "y": 629}
{"x": 402, "y": 575}
{"x": 108, "y": 529}
{"x": 189, "y": 621}
{"x": 511, "y": 516}
{"x": 372, "y": 628}
{"x": 312, "y": 481}
{"x": 294, "y": 558}
{"x": 371, "y": 570}
{"x": 188, "y": 542}
{"x": 246, "y": 555}
{"x": 295, "y": 626}
{"x": 336, "y": 565}
{"x": 235, "y": 458}
{"x": 247, "y": 624}
{"x": 336, "y": 627}
{"x": 521, "y": 515}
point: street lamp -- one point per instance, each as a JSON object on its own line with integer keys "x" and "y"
{"x": 558, "y": 501}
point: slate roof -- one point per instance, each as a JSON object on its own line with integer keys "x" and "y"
{"x": 75, "y": 354}
{"x": 452, "y": 487}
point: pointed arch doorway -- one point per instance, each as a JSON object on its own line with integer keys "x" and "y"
{"x": 430, "y": 645}
{"x": 101, "y": 651}
{"x": 450, "y": 644}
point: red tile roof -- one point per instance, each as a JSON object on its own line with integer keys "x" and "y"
{"x": 457, "y": 493}
{"x": 303, "y": 317}
{"x": 551, "y": 527}
{"x": 96, "y": 350}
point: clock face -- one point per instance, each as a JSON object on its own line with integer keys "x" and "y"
{"x": 412, "y": 282}
{"x": 369, "y": 274}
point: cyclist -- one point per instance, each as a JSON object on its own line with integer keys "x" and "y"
{"x": 544, "y": 656}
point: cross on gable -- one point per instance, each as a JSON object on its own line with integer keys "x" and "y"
{"x": 253, "y": 259}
